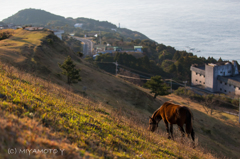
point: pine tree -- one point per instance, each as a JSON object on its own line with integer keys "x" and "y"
{"x": 220, "y": 60}
{"x": 68, "y": 69}
{"x": 157, "y": 86}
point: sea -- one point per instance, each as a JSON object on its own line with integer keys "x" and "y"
{"x": 204, "y": 27}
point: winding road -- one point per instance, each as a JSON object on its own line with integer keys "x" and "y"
{"x": 87, "y": 47}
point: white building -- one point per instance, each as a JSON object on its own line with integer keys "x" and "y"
{"x": 58, "y": 33}
{"x": 34, "y": 28}
{"x": 222, "y": 77}
{"x": 78, "y": 25}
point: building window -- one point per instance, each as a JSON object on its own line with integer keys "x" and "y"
{"x": 225, "y": 83}
{"x": 203, "y": 82}
{"x": 204, "y": 76}
{"x": 221, "y": 82}
{"x": 196, "y": 80}
{"x": 234, "y": 86}
{"x": 220, "y": 89}
{"x": 229, "y": 71}
{"x": 225, "y": 91}
{"x": 221, "y": 72}
{"x": 230, "y": 85}
{"x": 200, "y": 81}
{"x": 196, "y": 73}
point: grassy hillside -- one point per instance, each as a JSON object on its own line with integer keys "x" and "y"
{"x": 33, "y": 50}
{"x": 37, "y": 114}
{"x": 106, "y": 119}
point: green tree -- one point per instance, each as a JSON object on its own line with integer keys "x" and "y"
{"x": 80, "y": 54}
{"x": 157, "y": 86}
{"x": 68, "y": 69}
{"x": 220, "y": 60}
{"x": 172, "y": 68}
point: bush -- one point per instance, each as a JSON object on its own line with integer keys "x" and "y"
{"x": 222, "y": 101}
{"x": 50, "y": 41}
{"x": 5, "y": 35}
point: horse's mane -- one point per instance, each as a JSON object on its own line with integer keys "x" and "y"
{"x": 168, "y": 103}
{"x": 164, "y": 104}
{"x": 155, "y": 112}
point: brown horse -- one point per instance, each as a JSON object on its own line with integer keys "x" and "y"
{"x": 173, "y": 114}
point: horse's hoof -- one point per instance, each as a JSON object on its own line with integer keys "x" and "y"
{"x": 194, "y": 146}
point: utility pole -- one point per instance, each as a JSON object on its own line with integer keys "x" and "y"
{"x": 116, "y": 66}
{"x": 185, "y": 83}
{"x": 100, "y": 37}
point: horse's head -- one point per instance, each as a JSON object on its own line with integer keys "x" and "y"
{"x": 152, "y": 124}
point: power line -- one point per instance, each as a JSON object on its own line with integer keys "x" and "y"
{"x": 133, "y": 77}
{"x": 136, "y": 70}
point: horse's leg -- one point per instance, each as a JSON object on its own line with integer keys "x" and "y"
{"x": 192, "y": 134}
{"x": 171, "y": 130}
{"x": 182, "y": 131}
{"x": 166, "y": 124}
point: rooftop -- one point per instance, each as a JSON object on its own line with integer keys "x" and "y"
{"x": 198, "y": 68}
{"x": 138, "y": 47}
{"x": 34, "y": 28}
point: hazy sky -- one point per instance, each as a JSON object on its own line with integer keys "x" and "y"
{"x": 69, "y": 8}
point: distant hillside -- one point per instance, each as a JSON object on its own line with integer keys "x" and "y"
{"x": 92, "y": 24}
{"x": 39, "y": 17}
{"x": 33, "y": 50}
{"x": 33, "y": 16}
{"x": 1, "y": 23}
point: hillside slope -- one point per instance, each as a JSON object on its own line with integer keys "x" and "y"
{"x": 33, "y": 50}
{"x": 100, "y": 116}
{"x": 108, "y": 119}
{"x": 39, "y": 115}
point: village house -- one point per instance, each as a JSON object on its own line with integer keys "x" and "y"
{"x": 110, "y": 49}
{"x": 78, "y": 25}
{"x": 33, "y": 28}
{"x": 222, "y": 77}
{"x": 138, "y": 48}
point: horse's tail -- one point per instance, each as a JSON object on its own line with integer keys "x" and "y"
{"x": 189, "y": 118}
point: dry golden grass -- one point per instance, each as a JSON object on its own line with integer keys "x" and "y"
{"x": 92, "y": 128}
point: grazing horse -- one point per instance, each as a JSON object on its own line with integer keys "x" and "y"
{"x": 172, "y": 114}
